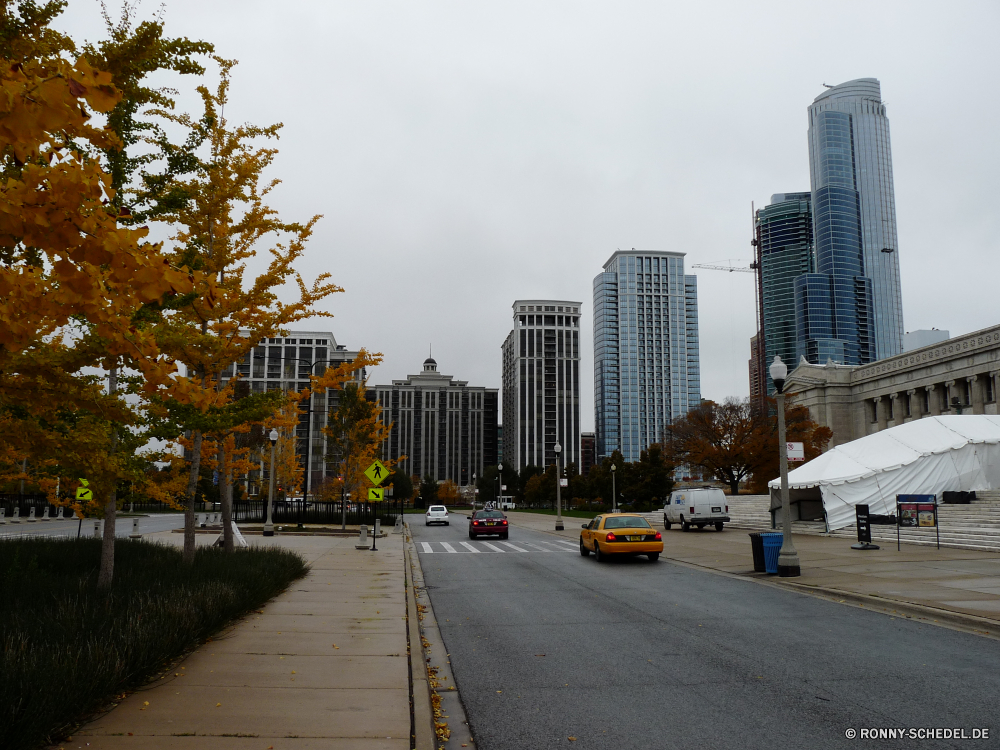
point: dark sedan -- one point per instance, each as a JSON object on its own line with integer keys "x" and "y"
{"x": 485, "y": 522}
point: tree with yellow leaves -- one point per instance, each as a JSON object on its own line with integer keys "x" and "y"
{"x": 73, "y": 279}
{"x": 223, "y": 223}
{"x": 355, "y": 433}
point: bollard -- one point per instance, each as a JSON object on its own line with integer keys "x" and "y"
{"x": 45, "y": 513}
{"x": 97, "y": 529}
{"x": 3, "y": 516}
{"x": 378, "y": 528}
{"x": 399, "y": 525}
{"x": 59, "y": 513}
{"x": 16, "y": 518}
{"x": 363, "y": 538}
{"x": 31, "y": 514}
{"x": 135, "y": 530}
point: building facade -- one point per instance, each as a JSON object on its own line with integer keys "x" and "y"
{"x": 285, "y": 363}
{"x": 646, "y": 353}
{"x": 850, "y": 309}
{"x": 441, "y": 427}
{"x": 784, "y": 233}
{"x": 950, "y": 377}
{"x": 588, "y": 452}
{"x": 541, "y": 384}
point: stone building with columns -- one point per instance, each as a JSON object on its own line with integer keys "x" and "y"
{"x": 957, "y": 376}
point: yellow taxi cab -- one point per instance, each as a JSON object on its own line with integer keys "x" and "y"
{"x": 620, "y": 534}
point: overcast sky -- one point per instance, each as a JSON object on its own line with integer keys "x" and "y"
{"x": 467, "y": 154}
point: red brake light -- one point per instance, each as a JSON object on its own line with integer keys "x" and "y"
{"x": 727, "y": 509}
{"x": 659, "y": 536}
{"x": 505, "y": 522}
{"x": 610, "y": 537}
{"x": 475, "y": 523}
{"x": 692, "y": 510}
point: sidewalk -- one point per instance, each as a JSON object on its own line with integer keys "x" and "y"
{"x": 323, "y": 665}
{"x": 960, "y": 587}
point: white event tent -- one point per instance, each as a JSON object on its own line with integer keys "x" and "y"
{"x": 923, "y": 457}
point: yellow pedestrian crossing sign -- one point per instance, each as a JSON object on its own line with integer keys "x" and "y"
{"x": 83, "y": 492}
{"x": 377, "y": 473}
{"x": 376, "y": 494}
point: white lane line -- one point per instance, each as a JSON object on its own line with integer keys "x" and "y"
{"x": 493, "y": 547}
{"x": 540, "y": 549}
{"x": 448, "y": 547}
{"x": 469, "y": 547}
{"x": 513, "y": 547}
{"x": 427, "y": 547}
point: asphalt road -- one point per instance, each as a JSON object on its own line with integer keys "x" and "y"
{"x": 547, "y": 645}
{"x": 123, "y": 526}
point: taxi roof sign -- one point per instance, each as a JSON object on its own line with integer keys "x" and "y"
{"x": 377, "y": 473}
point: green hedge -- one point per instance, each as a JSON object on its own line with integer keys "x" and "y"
{"x": 66, "y": 650}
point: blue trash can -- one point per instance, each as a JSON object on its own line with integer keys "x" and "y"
{"x": 772, "y": 546}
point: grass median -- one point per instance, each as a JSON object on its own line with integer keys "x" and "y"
{"x": 67, "y": 650}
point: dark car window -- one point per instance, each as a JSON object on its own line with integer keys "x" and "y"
{"x": 596, "y": 523}
{"x": 488, "y": 514}
{"x": 626, "y": 522}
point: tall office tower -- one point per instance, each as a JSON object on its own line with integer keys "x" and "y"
{"x": 443, "y": 427}
{"x": 754, "y": 367}
{"x": 785, "y": 242}
{"x": 541, "y": 384}
{"x": 851, "y": 310}
{"x": 646, "y": 363}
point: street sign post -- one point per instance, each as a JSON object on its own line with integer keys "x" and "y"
{"x": 376, "y": 473}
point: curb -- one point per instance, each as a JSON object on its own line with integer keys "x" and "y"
{"x": 420, "y": 691}
{"x": 909, "y": 610}
{"x": 449, "y": 723}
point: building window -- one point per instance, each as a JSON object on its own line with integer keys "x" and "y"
{"x": 989, "y": 388}
{"x": 926, "y": 406}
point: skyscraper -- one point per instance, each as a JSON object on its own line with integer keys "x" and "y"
{"x": 541, "y": 384}
{"x": 646, "y": 363}
{"x": 785, "y": 241}
{"x": 850, "y": 310}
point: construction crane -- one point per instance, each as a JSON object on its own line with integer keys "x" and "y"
{"x": 753, "y": 268}
{"x": 741, "y": 269}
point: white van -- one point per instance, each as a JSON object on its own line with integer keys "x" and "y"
{"x": 698, "y": 507}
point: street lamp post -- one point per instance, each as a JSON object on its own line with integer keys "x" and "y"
{"x": 788, "y": 558}
{"x": 268, "y": 523}
{"x": 559, "y": 522}
{"x": 614, "y": 496}
{"x": 499, "y": 483}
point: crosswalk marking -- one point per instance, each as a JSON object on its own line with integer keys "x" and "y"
{"x": 513, "y": 547}
{"x": 477, "y": 546}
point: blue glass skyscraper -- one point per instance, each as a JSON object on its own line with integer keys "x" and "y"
{"x": 850, "y": 309}
{"x": 646, "y": 362}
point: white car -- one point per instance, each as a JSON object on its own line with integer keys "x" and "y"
{"x": 436, "y": 514}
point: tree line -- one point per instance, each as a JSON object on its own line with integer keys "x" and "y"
{"x": 734, "y": 443}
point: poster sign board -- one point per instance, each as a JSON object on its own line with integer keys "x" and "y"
{"x": 795, "y": 451}
{"x": 917, "y": 512}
